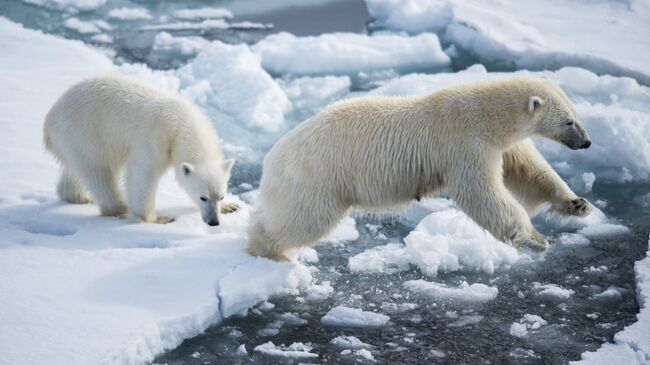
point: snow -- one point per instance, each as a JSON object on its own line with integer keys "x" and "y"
{"x": 72, "y": 6}
{"x": 353, "y": 317}
{"x": 317, "y": 293}
{"x": 582, "y": 183}
{"x": 104, "y": 290}
{"x": 231, "y": 78}
{"x": 349, "y": 342}
{"x": 345, "y": 230}
{"x": 531, "y": 35}
{"x": 297, "y": 350}
{"x": 129, "y": 13}
{"x": 463, "y": 293}
{"x": 102, "y": 38}
{"x": 525, "y": 324}
{"x": 203, "y": 25}
{"x": 81, "y": 26}
{"x": 349, "y": 53}
{"x": 203, "y": 13}
{"x": 572, "y": 239}
{"x": 173, "y": 46}
{"x": 551, "y": 293}
{"x": 241, "y": 350}
{"x": 443, "y": 241}
{"x": 604, "y": 230}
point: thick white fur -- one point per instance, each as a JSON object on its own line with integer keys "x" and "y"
{"x": 103, "y": 124}
{"x": 382, "y": 152}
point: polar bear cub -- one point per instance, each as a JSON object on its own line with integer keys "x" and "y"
{"x": 111, "y": 123}
{"x": 383, "y": 152}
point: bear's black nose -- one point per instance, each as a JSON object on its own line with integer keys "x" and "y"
{"x": 213, "y": 223}
{"x": 586, "y": 144}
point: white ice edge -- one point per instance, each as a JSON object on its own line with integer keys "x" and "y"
{"x": 82, "y": 289}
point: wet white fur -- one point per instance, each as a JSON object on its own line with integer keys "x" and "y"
{"x": 103, "y": 125}
{"x": 381, "y": 152}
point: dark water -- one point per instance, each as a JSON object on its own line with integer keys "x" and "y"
{"x": 411, "y": 335}
{"x": 421, "y": 334}
{"x": 132, "y": 43}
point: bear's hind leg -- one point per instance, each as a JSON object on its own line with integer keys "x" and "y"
{"x": 70, "y": 189}
{"x": 142, "y": 179}
{"x": 302, "y": 221}
{"x": 527, "y": 174}
{"x": 101, "y": 183}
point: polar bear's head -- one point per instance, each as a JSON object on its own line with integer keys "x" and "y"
{"x": 206, "y": 184}
{"x": 556, "y": 119}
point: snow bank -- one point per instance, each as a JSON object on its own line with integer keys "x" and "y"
{"x": 531, "y": 35}
{"x": 203, "y": 25}
{"x": 463, "y": 293}
{"x": 129, "y": 13}
{"x": 203, "y": 13}
{"x": 349, "y": 53}
{"x": 231, "y": 78}
{"x": 444, "y": 241}
{"x": 95, "y": 290}
{"x": 296, "y": 350}
{"x": 604, "y": 231}
{"x": 172, "y": 46}
{"x": 72, "y": 6}
{"x": 86, "y": 27}
{"x": 353, "y": 317}
{"x": 615, "y": 111}
{"x": 551, "y": 292}
{"x": 632, "y": 344}
{"x": 350, "y": 342}
{"x": 525, "y": 324}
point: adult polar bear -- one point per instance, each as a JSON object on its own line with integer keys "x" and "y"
{"x": 101, "y": 124}
{"x": 381, "y": 152}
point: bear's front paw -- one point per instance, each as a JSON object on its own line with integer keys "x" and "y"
{"x": 579, "y": 207}
{"x": 227, "y": 208}
{"x": 161, "y": 219}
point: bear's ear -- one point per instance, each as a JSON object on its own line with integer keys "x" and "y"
{"x": 227, "y": 165}
{"x": 187, "y": 168}
{"x": 534, "y": 103}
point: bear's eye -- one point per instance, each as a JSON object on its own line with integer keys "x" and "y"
{"x": 570, "y": 123}
{"x": 203, "y": 199}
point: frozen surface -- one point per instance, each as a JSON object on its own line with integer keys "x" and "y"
{"x": 129, "y": 13}
{"x": 349, "y": 53}
{"x": 72, "y": 6}
{"x": 463, "y": 293}
{"x": 203, "y": 13}
{"x": 296, "y": 350}
{"x": 444, "y": 241}
{"x": 353, "y": 317}
{"x": 231, "y": 79}
{"x": 525, "y": 324}
{"x": 103, "y": 290}
{"x": 349, "y": 342}
{"x": 552, "y": 293}
{"x": 603, "y": 36}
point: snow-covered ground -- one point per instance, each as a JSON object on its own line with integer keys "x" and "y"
{"x": 603, "y": 36}
{"x": 82, "y": 289}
